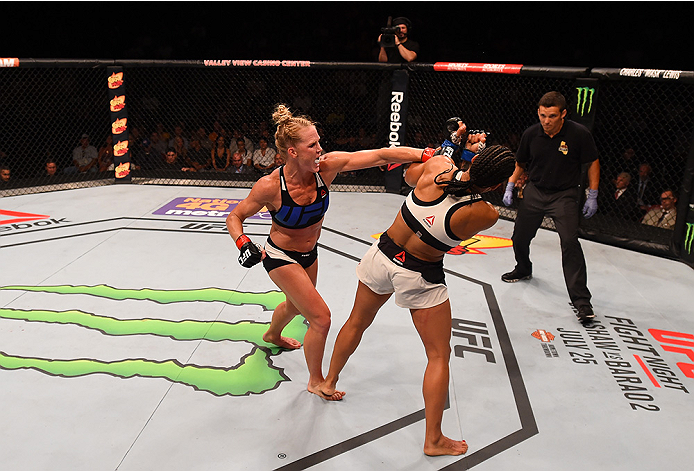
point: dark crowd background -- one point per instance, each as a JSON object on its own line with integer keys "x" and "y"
{"x": 580, "y": 34}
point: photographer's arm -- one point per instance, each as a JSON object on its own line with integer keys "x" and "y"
{"x": 382, "y": 55}
{"x": 406, "y": 54}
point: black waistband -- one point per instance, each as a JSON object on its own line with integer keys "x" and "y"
{"x": 291, "y": 253}
{"x": 430, "y": 271}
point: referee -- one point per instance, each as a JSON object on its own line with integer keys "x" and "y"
{"x": 553, "y": 152}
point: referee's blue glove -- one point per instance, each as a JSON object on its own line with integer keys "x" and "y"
{"x": 508, "y": 194}
{"x": 591, "y": 206}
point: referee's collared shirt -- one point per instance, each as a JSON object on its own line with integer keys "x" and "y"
{"x": 554, "y": 163}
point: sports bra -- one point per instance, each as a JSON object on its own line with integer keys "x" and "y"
{"x": 431, "y": 220}
{"x": 294, "y": 216}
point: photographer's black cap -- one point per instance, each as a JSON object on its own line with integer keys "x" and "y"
{"x": 401, "y": 20}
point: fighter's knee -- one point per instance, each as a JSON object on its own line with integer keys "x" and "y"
{"x": 321, "y": 320}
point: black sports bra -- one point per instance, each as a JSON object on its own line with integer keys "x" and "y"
{"x": 294, "y": 216}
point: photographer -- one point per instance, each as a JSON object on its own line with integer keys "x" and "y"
{"x": 395, "y": 45}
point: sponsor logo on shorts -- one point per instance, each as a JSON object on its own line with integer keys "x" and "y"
{"x": 400, "y": 257}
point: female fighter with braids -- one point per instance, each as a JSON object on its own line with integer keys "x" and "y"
{"x": 444, "y": 209}
{"x": 296, "y": 195}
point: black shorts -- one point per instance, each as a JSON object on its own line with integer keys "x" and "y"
{"x": 276, "y": 257}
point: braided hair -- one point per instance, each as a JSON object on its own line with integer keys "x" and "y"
{"x": 489, "y": 168}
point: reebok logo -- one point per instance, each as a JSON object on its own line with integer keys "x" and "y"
{"x": 400, "y": 257}
{"x": 429, "y": 221}
{"x": 16, "y": 216}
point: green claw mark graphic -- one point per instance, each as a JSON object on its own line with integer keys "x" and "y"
{"x": 216, "y": 331}
{"x": 269, "y": 299}
{"x": 255, "y": 374}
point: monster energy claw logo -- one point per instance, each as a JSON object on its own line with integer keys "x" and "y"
{"x": 254, "y": 373}
{"x": 585, "y": 96}
{"x": 689, "y": 237}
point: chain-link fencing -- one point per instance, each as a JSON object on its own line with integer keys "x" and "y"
{"x": 209, "y": 123}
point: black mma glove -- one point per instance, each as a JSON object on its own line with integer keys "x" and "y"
{"x": 250, "y": 252}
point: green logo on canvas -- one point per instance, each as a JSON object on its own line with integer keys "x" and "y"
{"x": 584, "y": 98}
{"x": 254, "y": 373}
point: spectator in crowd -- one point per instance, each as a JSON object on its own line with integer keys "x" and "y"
{"x": 264, "y": 133}
{"x": 620, "y": 200}
{"x": 198, "y": 157}
{"x": 233, "y": 147}
{"x": 217, "y": 130}
{"x": 164, "y": 135}
{"x": 105, "y": 157}
{"x": 278, "y": 162}
{"x": 181, "y": 149}
{"x": 146, "y": 157}
{"x": 178, "y": 134}
{"x": 553, "y": 152}
{"x": 403, "y": 49}
{"x": 663, "y": 216}
{"x": 242, "y": 152}
{"x": 238, "y": 165}
{"x": 646, "y": 193}
{"x": 134, "y": 137}
{"x": 51, "y": 168}
{"x": 157, "y": 143}
{"x": 203, "y": 138}
{"x": 5, "y": 174}
{"x": 264, "y": 157}
{"x": 627, "y": 163}
{"x": 85, "y": 157}
{"x": 172, "y": 162}
{"x": 221, "y": 155}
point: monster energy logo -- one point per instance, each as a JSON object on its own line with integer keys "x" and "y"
{"x": 689, "y": 237}
{"x": 254, "y": 373}
{"x": 585, "y": 96}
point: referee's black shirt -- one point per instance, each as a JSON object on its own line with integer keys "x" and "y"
{"x": 554, "y": 163}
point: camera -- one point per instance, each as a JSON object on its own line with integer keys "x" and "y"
{"x": 388, "y": 36}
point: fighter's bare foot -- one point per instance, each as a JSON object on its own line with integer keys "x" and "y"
{"x": 445, "y": 446}
{"x": 329, "y": 394}
{"x": 283, "y": 342}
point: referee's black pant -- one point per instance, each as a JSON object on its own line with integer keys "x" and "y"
{"x": 563, "y": 207}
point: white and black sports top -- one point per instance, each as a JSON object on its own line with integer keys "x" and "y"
{"x": 431, "y": 221}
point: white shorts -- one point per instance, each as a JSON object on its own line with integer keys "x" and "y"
{"x": 384, "y": 276}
